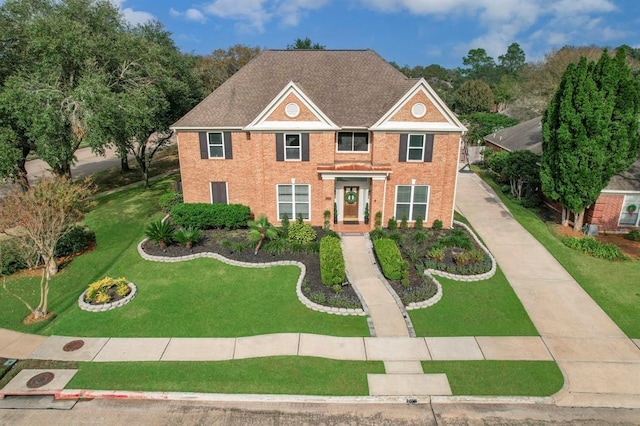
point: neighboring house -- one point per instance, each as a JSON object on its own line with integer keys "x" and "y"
{"x": 301, "y": 132}
{"x": 618, "y": 206}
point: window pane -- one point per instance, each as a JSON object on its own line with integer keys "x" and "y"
{"x": 286, "y": 208}
{"x": 303, "y": 209}
{"x": 420, "y": 194}
{"x": 293, "y": 140}
{"x": 360, "y": 141}
{"x": 404, "y": 194}
{"x": 415, "y": 154}
{"x": 215, "y": 138}
{"x": 627, "y": 218}
{"x": 402, "y": 210}
{"x": 302, "y": 192}
{"x": 293, "y": 153}
{"x": 284, "y": 193}
{"x": 416, "y": 141}
{"x": 215, "y": 151}
{"x": 419, "y": 210}
{"x": 344, "y": 141}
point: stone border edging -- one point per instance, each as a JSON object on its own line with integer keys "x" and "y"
{"x": 303, "y": 269}
{"x": 104, "y": 307}
{"x": 467, "y": 278}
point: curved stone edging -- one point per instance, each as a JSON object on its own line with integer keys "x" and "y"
{"x": 468, "y": 278}
{"x": 108, "y": 306}
{"x": 430, "y": 301}
{"x": 303, "y": 269}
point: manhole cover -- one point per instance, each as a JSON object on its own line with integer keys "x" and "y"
{"x": 39, "y": 380}
{"x": 73, "y": 345}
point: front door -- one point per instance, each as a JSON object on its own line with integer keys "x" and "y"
{"x": 351, "y": 201}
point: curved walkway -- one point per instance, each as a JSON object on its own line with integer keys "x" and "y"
{"x": 600, "y": 364}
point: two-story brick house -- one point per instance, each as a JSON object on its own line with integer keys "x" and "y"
{"x": 301, "y": 132}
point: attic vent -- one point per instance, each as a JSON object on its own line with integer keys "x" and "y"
{"x": 418, "y": 110}
{"x": 292, "y": 110}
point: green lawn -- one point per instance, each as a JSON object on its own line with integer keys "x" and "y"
{"x": 312, "y": 376}
{"x": 202, "y": 297}
{"x": 495, "y": 378}
{"x": 615, "y": 286}
{"x": 482, "y": 308}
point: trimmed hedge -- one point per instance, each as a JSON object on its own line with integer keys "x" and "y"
{"x": 76, "y": 239}
{"x": 169, "y": 200}
{"x": 209, "y": 216}
{"x": 332, "y": 269}
{"x": 389, "y": 258}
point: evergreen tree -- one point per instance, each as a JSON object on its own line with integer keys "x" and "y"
{"x": 590, "y": 132}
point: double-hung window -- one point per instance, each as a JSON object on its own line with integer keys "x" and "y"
{"x": 294, "y": 200}
{"x": 292, "y": 147}
{"x": 415, "y": 149}
{"x": 215, "y": 143}
{"x": 411, "y": 201}
{"x": 630, "y": 211}
{"x": 353, "y": 142}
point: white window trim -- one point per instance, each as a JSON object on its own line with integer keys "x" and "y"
{"x": 622, "y": 210}
{"x": 352, "y": 151}
{"x": 226, "y": 189}
{"x": 424, "y": 141}
{"x": 411, "y": 203}
{"x": 293, "y": 200}
{"x": 209, "y": 145}
{"x": 299, "y": 147}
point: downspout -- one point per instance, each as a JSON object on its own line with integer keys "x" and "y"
{"x": 384, "y": 198}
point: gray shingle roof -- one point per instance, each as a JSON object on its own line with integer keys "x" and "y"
{"x": 525, "y": 135}
{"x": 528, "y": 135}
{"x": 352, "y": 87}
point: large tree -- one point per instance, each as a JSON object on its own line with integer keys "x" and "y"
{"x": 216, "y": 67}
{"x": 473, "y": 96}
{"x": 38, "y": 218}
{"x": 305, "y": 44}
{"x": 590, "y": 132}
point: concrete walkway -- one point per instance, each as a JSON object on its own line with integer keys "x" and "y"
{"x": 600, "y": 364}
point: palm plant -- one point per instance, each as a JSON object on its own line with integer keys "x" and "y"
{"x": 188, "y": 236}
{"x": 260, "y": 230}
{"x": 160, "y": 232}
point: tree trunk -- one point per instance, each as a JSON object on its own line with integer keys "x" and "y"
{"x": 124, "y": 164}
{"x": 255, "y": 252}
{"x": 22, "y": 179}
{"x": 565, "y": 216}
{"x": 51, "y": 265}
{"x": 578, "y": 220}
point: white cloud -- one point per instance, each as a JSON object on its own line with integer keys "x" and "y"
{"x": 191, "y": 14}
{"x": 253, "y": 15}
{"x": 134, "y": 17}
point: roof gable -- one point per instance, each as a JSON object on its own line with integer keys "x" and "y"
{"x": 276, "y": 116}
{"x": 419, "y": 109}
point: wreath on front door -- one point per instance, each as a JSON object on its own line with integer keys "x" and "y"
{"x": 351, "y": 197}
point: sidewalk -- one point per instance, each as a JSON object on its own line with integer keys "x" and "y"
{"x": 600, "y": 364}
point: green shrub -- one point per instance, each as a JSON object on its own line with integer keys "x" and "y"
{"x": 392, "y": 224}
{"x": 160, "y": 232}
{"x": 331, "y": 233}
{"x": 404, "y": 224}
{"x": 332, "y": 268}
{"x": 437, "y": 224}
{"x": 169, "y": 200}
{"x": 376, "y": 234}
{"x": 390, "y": 258}
{"x": 397, "y": 237}
{"x": 378, "y": 220}
{"x": 457, "y": 238}
{"x": 419, "y": 225}
{"x": 477, "y": 256}
{"x": 188, "y": 236}
{"x": 633, "y": 235}
{"x": 337, "y": 288}
{"x": 339, "y": 300}
{"x": 285, "y": 225}
{"x": 436, "y": 254}
{"x": 318, "y": 298}
{"x": 76, "y": 239}
{"x": 209, "y": 216}
{"x": 276, "y": 246}
{"x": 593, "y": 247}
{"x": 302, "y": 233}
{"x": 426, "y": 290}
{"x": 420, "y": 237}
{"x": 11, "y": 258}
{"x": 462, "y": 258}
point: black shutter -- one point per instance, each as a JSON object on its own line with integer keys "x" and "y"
{"x": 204, "y": 146}
{"x": 402, "y": 156}
{"x": 305, "y": 147}
{"x": 279, "y": 147}
{"x": 219, "y": 192}
{"x": 428, "y": 148}
{"x": 228, "y": 151}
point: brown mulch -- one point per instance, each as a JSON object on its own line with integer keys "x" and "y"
{"x": 628, "y": 247}
{"x": 31, "y": 319}
{"x": 214, "y": 238}
{"x": 566, "y": 231}
{"x": 62, "y": 263}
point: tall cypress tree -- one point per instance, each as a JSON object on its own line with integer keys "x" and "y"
{"x": 589, "y": 132}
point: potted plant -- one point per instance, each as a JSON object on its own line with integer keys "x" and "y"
{"x": 366, "y": 214}
{"x": 335, "y": 213}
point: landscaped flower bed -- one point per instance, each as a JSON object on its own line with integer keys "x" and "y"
{"x": 106, "y": 294}
{"x": 450, "y": 252}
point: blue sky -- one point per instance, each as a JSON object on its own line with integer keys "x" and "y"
{"x": 413, "y": 32}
